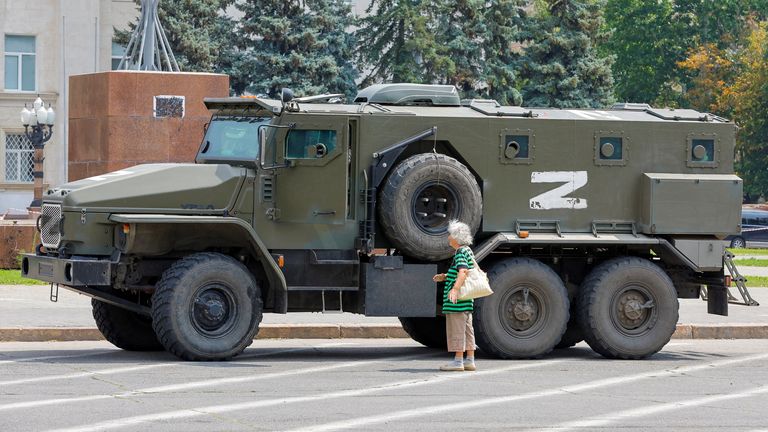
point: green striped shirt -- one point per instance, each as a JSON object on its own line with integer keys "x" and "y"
{"x": 463, "y": 259}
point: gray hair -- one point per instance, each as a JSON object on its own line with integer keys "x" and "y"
{"x": 461, "y": 232}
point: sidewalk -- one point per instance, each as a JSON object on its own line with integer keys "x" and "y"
{"x": 26, "y": 313}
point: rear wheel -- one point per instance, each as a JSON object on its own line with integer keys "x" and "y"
{"x": 738, "y": 242}
{"x": 627, "y": 308}
{"x": 206, "y": 306}
{"x": 527, "y": 314}
{"x": 428, "y": 331}
{"x": 125, "y": 329}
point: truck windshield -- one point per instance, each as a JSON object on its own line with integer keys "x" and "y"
{"x": 231, "y": 139}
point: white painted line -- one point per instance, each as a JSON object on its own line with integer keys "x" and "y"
{"x": 616, "y": 417}
{"x": 75, "y": 375}
{"x": 477, "y": 403}
{"x": 220, "y": 409}
{"x": 201, "y": 384}
{"x": 29, "y": 359}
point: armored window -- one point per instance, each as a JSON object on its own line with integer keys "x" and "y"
{"x": 20, "y": 63}
{"x": 611, "y": 148}
{"x": 516, "y": 146}
{"x": 702, "y": 150}
{"x": 310, "y": 144}
{"x": 19, "y": 159}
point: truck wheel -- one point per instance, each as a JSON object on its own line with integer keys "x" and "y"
{"x": 573, "y": 333}
{"x": 206, "y": 306}
{"x": 527, "y": 314}
{"x": 420, "y": 196}
{"x": 125, "y": 329}
{"x": 429, "y": 332}
{"x": 627, "y": 308}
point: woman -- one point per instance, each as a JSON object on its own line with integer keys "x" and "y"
{"x": 458, "y": 313}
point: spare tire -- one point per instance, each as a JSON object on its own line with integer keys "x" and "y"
{"x": 420, "y": 196}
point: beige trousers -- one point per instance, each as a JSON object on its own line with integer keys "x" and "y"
{"x": 458, "y": 328}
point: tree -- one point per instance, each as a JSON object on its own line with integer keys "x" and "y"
{"x": 198, "y": 31}
{"x": 505, "y": 23}
{"x": 301, "y": 44}
{"x": 713, "y": 70}
{"x": 398, "y": 44}
{"x": 563, "y": 68}
{"x": 749, "y": 96}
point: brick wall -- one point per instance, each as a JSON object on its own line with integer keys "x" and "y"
{"x": 15, "y": 238}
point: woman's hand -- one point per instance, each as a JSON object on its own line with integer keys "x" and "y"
{"x": 453, "y": 295}
{"x": 439, "y": 277}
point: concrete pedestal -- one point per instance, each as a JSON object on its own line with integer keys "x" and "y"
{"x": 120, "y": 119}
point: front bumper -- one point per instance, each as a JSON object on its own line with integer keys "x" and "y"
{"x": 74, "y": 272}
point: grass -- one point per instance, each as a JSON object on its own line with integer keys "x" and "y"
{"x": 13, "y": 277}
{"x": 744, "y": 251}
{"x": 755, "y": 281}
{"x": 752, "y": 262}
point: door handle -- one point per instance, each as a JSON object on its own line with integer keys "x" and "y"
{"x": 324, "y": 213}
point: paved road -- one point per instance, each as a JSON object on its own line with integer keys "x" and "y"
{"x": 383, "y": 385}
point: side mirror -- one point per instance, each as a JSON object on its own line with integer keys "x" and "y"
{"x": 286, "y": 95}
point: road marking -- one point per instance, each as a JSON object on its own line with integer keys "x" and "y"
{"x": 112, "y": 371}
{"x": 201, "y": 384}
{"x": 28, "y": 359}
{"x": 220, "y": 409}
{"x": 615, "y": 417}
{"x": 477, "y": 403}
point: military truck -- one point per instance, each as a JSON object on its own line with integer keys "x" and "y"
{"x": 590, "y": 223}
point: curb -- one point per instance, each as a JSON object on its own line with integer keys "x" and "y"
{"x": 360, "y": 331}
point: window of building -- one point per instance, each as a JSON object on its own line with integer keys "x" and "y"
{"x": 310, "y": 144}
{"x": 20, "y": 63}
{"x": 117, "y": 54}
{"x": 19, "y": 159}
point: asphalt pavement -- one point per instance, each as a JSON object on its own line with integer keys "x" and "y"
{"x": 382, "y": 385}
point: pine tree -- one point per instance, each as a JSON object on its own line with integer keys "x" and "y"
{"x": 398, "y": 42}
{"x": 563, "y": 68}
{"x": 505, "y": 23}
{"x": 198, "y": 31}
{"x": 301, "y": 44}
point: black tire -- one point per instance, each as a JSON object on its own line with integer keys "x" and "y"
{"x": 206, "y": 306}
{"x": 573, "y": 333}
{"x": 738, "y": 242}
{"x": 504, "y": 327}
{"x": 635, "y": 330}
{"x": 125, "y": 329}
{"x": 434, "y": 185}
{"x": 427, "y": 331}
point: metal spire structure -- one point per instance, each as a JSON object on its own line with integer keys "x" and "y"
{"x": 149, "y": 48}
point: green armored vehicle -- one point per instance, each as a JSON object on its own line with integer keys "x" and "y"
{"x": 591, "y": 224}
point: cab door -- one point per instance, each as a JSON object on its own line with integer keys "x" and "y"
{"x": 313, "y": 189}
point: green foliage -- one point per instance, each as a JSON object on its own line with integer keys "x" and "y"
{"x": 397, "y": 42}
{"x": 505, "y": 22}
{"x": 198, "y": 31}
{"x": 563, "y": 68}
{"x": 298, "y": 44}
{"x": 13, "y": 277}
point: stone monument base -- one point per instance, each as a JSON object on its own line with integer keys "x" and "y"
{"x": 119, "y": 119}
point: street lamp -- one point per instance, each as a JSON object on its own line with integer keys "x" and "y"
{"x": 38, "y": 127}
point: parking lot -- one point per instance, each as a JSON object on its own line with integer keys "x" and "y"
{"x": 386, "y": 384}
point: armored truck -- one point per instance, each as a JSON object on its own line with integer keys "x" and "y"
{"x": 590, "y": 223}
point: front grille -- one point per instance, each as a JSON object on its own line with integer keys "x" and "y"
{"x": 50, "y": 225}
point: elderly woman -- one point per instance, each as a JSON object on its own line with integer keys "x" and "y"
{"x": 458, "y": 313}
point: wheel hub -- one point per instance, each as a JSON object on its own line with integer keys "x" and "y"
{"x": 522, "y": 311}
{"x": 434, "y": 205}
{"x": 633, "y": 309}
{"x": 211, "y": 310}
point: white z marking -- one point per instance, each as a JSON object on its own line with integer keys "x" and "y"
{"x": 555, "y": 199}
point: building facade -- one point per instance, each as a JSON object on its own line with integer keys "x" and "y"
{"x": 42, "y": 43}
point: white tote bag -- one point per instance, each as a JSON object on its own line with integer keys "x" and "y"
{"x": 476, "y": 284}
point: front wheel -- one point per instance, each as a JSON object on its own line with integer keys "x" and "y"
{"x": 628, "y": 308}
{"x": 526, "y": 315}
{"x": 206, "y": 306}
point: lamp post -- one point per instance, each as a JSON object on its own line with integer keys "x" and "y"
{"x": 38, "y": 127}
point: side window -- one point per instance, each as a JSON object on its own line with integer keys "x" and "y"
{"x": 309, "y": 144}
{"x": 611, "y": 148}
{"x": 517, "y": 146}
{"x": 702, "y": 150}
